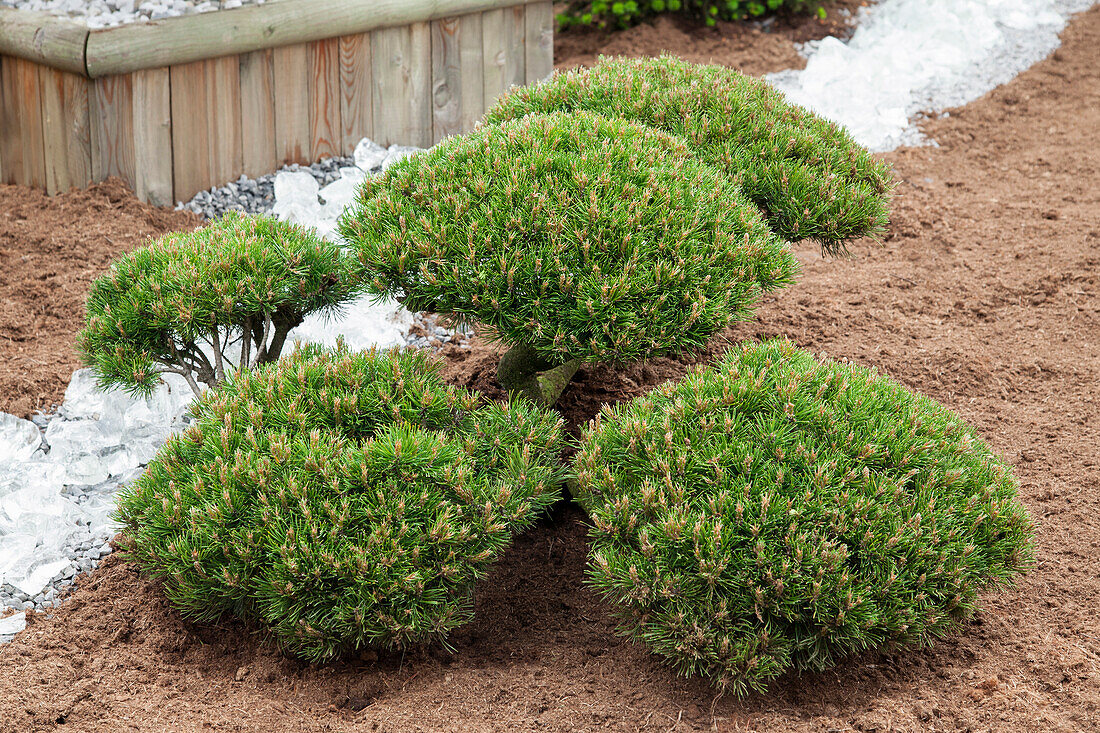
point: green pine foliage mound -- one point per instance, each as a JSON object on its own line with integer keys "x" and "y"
{"x": 202, "y": 303}
{"x": 576, "y": 236}
{"x": 778, "y": 512}
{"x": 343, "y": 500}
{"x": 625, "y": 13}
{"x": 807, "y": 175}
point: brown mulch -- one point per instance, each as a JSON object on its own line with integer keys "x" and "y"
{"x": 50, "y": 251}
{"x": 985, "y": 296}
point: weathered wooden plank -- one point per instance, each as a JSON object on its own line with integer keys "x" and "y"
{"x": 292, "y": 139}
{"x": 79, "y": 128}
{"x": 258, "y": 112}
{"x": 54, "y": 130}
{"x": 113, "y": 144}
{"x": 356, "y": 96}
{"x": 493, "y": 55}
{"x": 446, "y": 78}
{"x": 223, "y": 93}
{"x": 43, "y": 38}
{"x": 153, "y": 136}
{"x": 325, "y": 128}
{"x": 515, "y": 54}
{"x": 539, "y": 44}
{"x": 288, "y": 22}
{"x": 472, "y": 73}
{"x": 390, "y": 50}
{"x": 11, "y": 160}
{"x": 28, "y": 106}
{"x": 420, "y": 85}
{"x": 190, "y": 143}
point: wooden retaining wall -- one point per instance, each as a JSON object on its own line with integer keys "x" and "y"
{"x": 177, "y": 106}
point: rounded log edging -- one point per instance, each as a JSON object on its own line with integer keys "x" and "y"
{"x": 45, "y": 39}
{"x": 202, "y": 36}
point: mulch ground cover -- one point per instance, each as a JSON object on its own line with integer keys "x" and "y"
{"x": 984, "y": 296}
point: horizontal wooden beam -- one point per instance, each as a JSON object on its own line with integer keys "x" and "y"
{"x": 43, "y": 38}
{"x": 189, "y": 38}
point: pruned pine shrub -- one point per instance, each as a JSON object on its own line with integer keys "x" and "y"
{"x": 202, "y": 303}
{"x": 574, "y": 237}
{"x": 625, "y": 13}
{"x": 778, "y": 512}
{"x": 807, "y": 175}
{"x": 343, "y": 500}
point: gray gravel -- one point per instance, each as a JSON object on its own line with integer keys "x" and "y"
{"x": 109, "y": 13}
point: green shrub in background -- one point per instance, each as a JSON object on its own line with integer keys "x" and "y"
{"x": 775, "y": 512}
{"x": 807, "y": 175}
{"x": 199, "y": 303}
{"x": 625, "y": 13}
{"x": 573, "y": 237}
{"x": 344, "y": 500}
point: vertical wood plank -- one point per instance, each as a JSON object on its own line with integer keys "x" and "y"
{"x": 292, "y": 139}
{"x": 446, "y": 79}
{"x": 190, "y": 146}
{"x": 5, "y": 126}
{"x": 78, "y": 127}
{"x": 153, "y": 136}
{"x": 356, "y": 116}
{"x": 54, "y": 130}
{"x": 28, "y": 157}
{"x": 325, "y": 127}
{"x": 493, "y": 55}
{"x": 390, "y": 49}
{"x": 515, "y": 54}
{"x": 223, "y": 90}
{"x": 472, "y": 73}
{"x": 420, "y": 85}
{"x": 258, "y": 112}
{"x": 114, "y": 128}
{"x": 539, "y": 44}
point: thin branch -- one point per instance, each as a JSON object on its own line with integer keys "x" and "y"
{"x": 261, "y": 352}
{"x": 246, "y": 345}
{"x": 219, "y": 364}
{"x": 186, "y": 373}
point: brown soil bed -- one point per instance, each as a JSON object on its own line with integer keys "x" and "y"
{"x": 752, "y": 47}
{"x": 50, "y": 251}
{"x": 983, "y": 296}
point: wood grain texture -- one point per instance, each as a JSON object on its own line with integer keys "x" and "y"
{"x": 10, "y": 158}
{"x": 55, "y": 135}
{"x": 446, "y": 78}
{"x": 28, "y": 89}
{"x": 153, "y": 153}
{"x": 472, "y": 72}
{"x": 258, "y": 112}
{"x": 113, "y": 142}
{"x": 78, "y": 124}
{"x": 356, "y": 95}
{"x": 288, "y": 22}
{"x": 420, "y": 85}
{"x": 325, "y": 128}
{"x": 292, "y": 139}
{"x": 539, "y": 43}
{"x": 223, "y": 89}
{"x": 43, "y": 38}
{"x": 190, "y": 146}
{"x": 515, "y": 42}
{"x": 494, "y": 56}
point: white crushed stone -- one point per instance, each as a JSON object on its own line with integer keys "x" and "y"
{"x": 911, "y": 57}
{"x": 111, "y": 13}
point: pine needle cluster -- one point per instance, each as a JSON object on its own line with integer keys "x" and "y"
{"x": 344, "y": 500}
{"x": 202, "y": 303}
{"x": 807, "y": 175}
{"x": 776, "y": 512}
{"x": 577, "y": 236}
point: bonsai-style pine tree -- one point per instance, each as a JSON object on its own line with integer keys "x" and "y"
{"x": 201, "y": 303}
{"x": 343, "y": 500}
{"x": 776, "y": 512}
{"x": 807, "y": 175}
{"x": 573, "y": 237}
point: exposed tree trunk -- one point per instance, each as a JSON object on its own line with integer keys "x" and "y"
{"x": 522, "y": 370}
